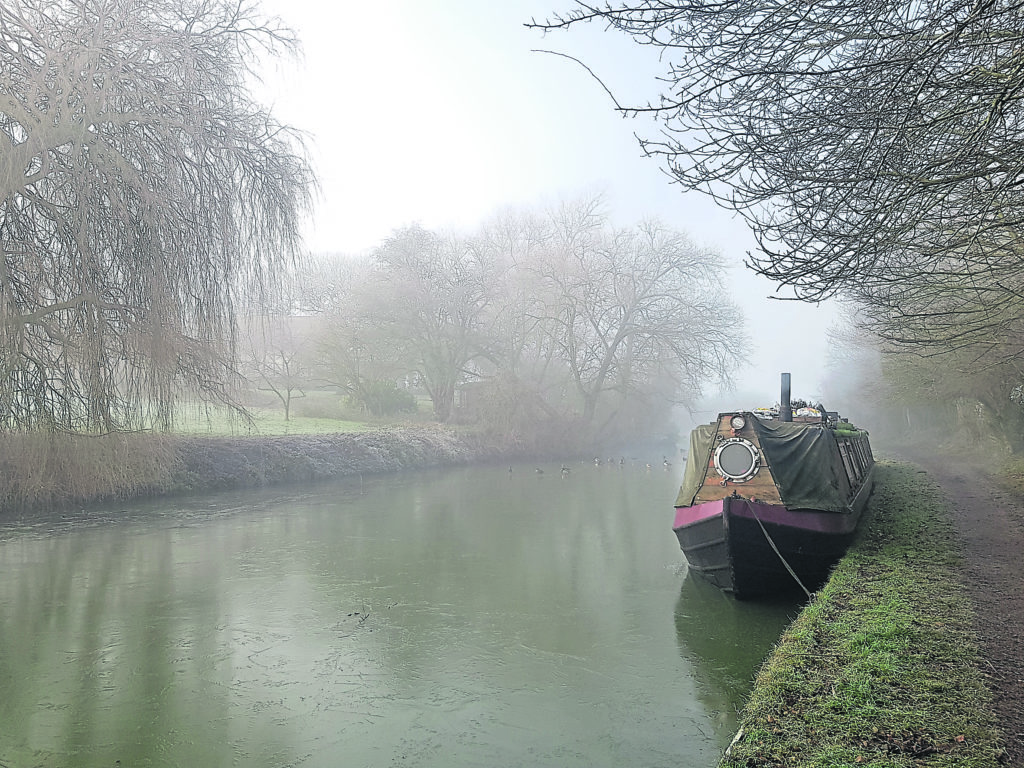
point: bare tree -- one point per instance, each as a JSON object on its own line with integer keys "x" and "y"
{"x": 143, "y": 196}
{"x": 279, "y": 353}
{"x": 638, "y": 312}
{"x": 524, "y": 245}
{"x": 435, "y": 303}
{"x": 600, "y": 326}
{"x": 869, "y": 145}
{"x": 359, "y": 350}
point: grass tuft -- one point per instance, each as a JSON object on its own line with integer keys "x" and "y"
{"x": 881, "y": 668}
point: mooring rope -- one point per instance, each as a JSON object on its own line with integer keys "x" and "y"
{"x": 776, "y": 549}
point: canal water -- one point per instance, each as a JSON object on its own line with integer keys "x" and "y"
{"x": 483, "y": 616}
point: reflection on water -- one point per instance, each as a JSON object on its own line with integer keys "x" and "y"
{"x": 727, "y": 639}
{"x": 464, "y": 617}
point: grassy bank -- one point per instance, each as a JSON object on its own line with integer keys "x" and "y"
{"x": 881, "y": 668}
{"x": 264, "y": 421}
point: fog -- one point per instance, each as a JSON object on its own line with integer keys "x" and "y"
{"x": 444, "y": 113}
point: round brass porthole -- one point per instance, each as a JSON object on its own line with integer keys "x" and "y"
{"x": 737, "y": 459}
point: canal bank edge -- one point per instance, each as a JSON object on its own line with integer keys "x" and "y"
{"x": 38, "y": 471}
{"x": 882, "y": 667}
{"x": 215, "y": 463}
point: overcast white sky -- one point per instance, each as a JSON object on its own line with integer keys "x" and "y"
{"x": 438, "y": 111}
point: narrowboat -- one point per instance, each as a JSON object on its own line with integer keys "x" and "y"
{"x": 769, "y": 504}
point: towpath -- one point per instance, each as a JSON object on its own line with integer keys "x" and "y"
{"x": 990, "y": 524}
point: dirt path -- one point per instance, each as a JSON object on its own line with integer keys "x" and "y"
{"x": 990, "y": 523}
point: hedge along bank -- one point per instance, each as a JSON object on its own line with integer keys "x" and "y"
{"x": 49, "y": 470}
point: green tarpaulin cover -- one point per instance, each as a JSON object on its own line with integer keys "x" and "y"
{"x": 804, "y": 460}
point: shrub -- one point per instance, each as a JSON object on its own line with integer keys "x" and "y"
{"x": 384, "y": 398}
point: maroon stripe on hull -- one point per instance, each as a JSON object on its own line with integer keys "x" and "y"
{"x": 697, "y": 513}
{"x": 835, "y": 523}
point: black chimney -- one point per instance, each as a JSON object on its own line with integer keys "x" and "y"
{"x": 786, "y": 410}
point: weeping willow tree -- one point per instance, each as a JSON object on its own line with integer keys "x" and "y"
{"x": 144, "y": 195}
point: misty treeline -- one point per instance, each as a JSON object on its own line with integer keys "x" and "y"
{"x": 541, "y": 324}
{"x": 875, "y": 149}
{"x": 150, "y": 210}
{"x": 947, "y": 396}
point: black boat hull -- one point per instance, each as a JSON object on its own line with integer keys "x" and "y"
{"x": 754, "y": 549}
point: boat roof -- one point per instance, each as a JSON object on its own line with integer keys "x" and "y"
{"x": 803, "y": 459}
